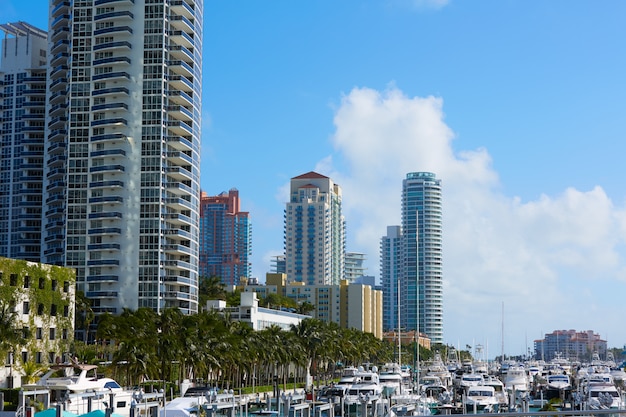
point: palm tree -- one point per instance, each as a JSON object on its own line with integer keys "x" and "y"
{"x": 10, "y": 335}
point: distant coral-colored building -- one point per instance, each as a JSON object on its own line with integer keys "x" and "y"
{"x": 225, "y": 238}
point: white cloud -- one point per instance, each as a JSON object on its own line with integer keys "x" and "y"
{"x": 542, "y": 260}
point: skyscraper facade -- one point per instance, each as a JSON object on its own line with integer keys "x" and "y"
{"x": 121, "y": 175}
{"x": 391, "y": 269}
{"x": 414, "y": 252}
{"x": 423, "y": 252}
{"x": 22, "y": 125}
{"x": 314, "y": 231}
{"x": 354, "y": 266}
{"x": 225, "y": 238}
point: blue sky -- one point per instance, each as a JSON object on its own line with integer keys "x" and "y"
{"x": 518, "y": 105}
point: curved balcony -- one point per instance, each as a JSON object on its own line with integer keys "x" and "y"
{"x": 104, "y": 246}
{"x": 114, "y": 121}
{"x": 57, "y": 123}
{"x": 101, "y": 294}
{"x": 107, "y": 152}
{"x": 58, "y": 134}
{"x": 55, "y": 172}
{"x": 181, "y": 22}
{"x": 114, "y": 2}
{"x": 105, "y": 231}
{"x": 106, "y": 215}
{"x": 178, "y": 188}
{"x": 181, "y": 38}
{"x": 60, "y": 33}
{"x": 56, "y": 160}
{"x": 57, "y": 98}
{"x": 102, "y": 278}
{"x": 108, "y": 199}
{"x": 55, "y": 197}
{"x": 113, "y": 46}
{"x": 177, "y": 265}
{"x": 109, "y": 137}
{"x": 113, "y": 29}
{"x": 58, "y": 109}
{"x": 59, "y": 21}
{"x": 180, "y": 112}
{"x": 177, "y": 249}
{"x": 108, "y": 168}
{"x": 179, "y": 142}
{"x": 180, "y": 7}
{"x": 59, "y": 59}
{"x": 179, "y": 82}
{"x": 178, "y": 157}
{"x": 179, "y": 204}
{"x": 106, "y": 184}
{"x": 110, "y": 106}
{"x": 180, "y": 97}
{"x": 110, "y": 91}
{"x": 180, "y": 67}
{"x": 180, "y": 52}
{"x": 103, "y": 262}
{"x": 179, "y": 173}
{"x": 179, "y": 127}
{"x": 59, "y": 84}
{"x": 112, "y": 76}
{"x": 120, "y": 60}
{"x": 118, "y": 16}
{"x": 59, "y": 46}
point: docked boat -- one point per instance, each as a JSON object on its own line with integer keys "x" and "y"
{"x": 480, "y": 399}
{"x": 558, "y": 386}
{"x": 516, "y": 379}
{"x": 391, "y": 381}
{"x": 365, "y": 389}
{"x": 79, "y": 389}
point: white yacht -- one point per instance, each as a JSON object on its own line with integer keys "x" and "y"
{"x": 480, "y": 399}
{"x": 79, "y": 389}
{"x": 516, "y": 379}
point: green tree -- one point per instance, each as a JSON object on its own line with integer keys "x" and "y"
{"x": 10, "y": 334}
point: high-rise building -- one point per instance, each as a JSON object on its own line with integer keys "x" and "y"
{"x": 122, "y": 179}
{"x": 314, "y": 231}
{"x": 391, "y": 268}
{"x": 354, "y": 266}
{"x": 225, "y": 238}
{"x": 411, "y": 259}
{"x": 22, "y": 125}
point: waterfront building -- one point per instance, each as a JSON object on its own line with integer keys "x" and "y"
{"x": 354, "y": 266}
{"x": 417, "y": 258}
{"x": 391, "y": 268}
{"x": 122, "y": 168}
{"x": 259, "y": 318}
{"x": 349, "y": 305}
{"x": 570, "y": 344}
{"x": 314, "y": 231}
{"x": 42, "y": 299}
{"x": 225, "y": 238}
{"x": 22, "y": 125}
{"x": 278, "y": 265}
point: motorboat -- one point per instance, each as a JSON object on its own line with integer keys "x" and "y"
{"x": 365, "y": 389}
{"x": 516, "y": 379}
{"x": 499, "y": 391}
{"x": 390, "y": 379}
{"x": 558, "y": 386}
{"x": 480, "y": 399}
{"x": 79, "y": 389}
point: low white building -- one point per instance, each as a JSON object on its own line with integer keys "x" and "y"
{"x": 259, "y": 318}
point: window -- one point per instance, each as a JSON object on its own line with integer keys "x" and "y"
{"x": 53, "y": 310}
{"x": 66, "y": 286}
{"x": 39, "y": 333}
{"x": 54, "y": 285}
{"x": 52, "y": 333}
{"x": 26, "y": 308}
{"x": 40, "y": 309}
{"x": 26, "y": 281}
{"x": 66, "y": 311}
{"x": 13, "y": 279}
{"x": 42, "y": 283}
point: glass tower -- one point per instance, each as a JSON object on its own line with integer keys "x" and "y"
{"x": 421, "y": 289}
{"x": 22, "y": 121}
{"x": 121, "y": 175}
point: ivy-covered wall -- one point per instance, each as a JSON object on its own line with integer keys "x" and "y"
{"x": 50, "y": 293}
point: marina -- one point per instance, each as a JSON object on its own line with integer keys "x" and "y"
{"x": 439, "y": 388}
